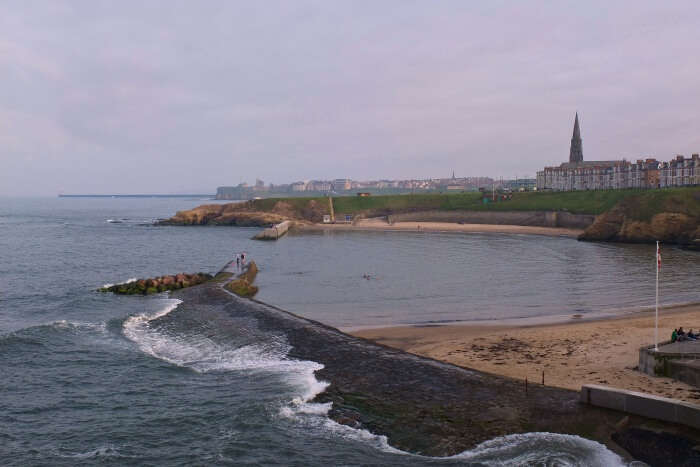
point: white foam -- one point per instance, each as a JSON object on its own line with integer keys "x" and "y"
{"x": 541, "y": 449}
{"x": 202, "y": 354}
{"x": 314, "y": 417}
{"x": 128, "y": 281}
{"x": 65, "y": 324}
{"x": 102, "y": 451}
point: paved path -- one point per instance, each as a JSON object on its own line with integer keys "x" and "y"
{"x": 232, "y": 268}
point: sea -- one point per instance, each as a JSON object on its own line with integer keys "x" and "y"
{"x": 86, "y": 378}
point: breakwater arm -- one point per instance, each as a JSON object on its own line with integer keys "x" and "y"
{"x": 422, "y": 405}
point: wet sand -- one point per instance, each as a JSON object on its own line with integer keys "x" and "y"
{"x": 381, "y": 224}
{"x": 570, "y": 354}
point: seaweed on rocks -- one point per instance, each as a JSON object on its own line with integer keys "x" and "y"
{"x": 242, "y": 285}
{"x": 157, "y": 284}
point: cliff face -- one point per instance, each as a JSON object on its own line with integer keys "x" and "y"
{"x": 675, "y": 221}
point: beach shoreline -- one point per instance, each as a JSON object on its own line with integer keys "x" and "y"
{"x": 380, "y": 224}
{"x": 570, "y": 353}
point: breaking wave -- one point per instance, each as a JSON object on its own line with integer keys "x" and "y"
{"x": 542, "y": 449}
{"x": 202, "y": 354}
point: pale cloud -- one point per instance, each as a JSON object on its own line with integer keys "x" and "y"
{"x": 171, "y": 96}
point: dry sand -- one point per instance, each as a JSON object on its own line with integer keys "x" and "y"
{"x": 570, "y": 354}
{"x": 381, "y": 224}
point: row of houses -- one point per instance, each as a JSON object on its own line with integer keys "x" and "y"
{"x": 606, "y": 175}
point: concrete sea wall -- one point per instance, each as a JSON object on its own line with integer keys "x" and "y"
{"x": 526, "y": 218}
{"x": 646, "y": 405}
{"x": 679, "y": 366}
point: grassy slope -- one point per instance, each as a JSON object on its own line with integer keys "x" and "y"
{"x": 640, "y": 204}
{"x": 683, "y": 200}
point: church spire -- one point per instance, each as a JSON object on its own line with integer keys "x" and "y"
{"x": 576, "y": 151}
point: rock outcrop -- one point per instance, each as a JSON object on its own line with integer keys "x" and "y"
{"x": 238, "y": 214}
{"x": 157, "y": 284}
{"x": 256, "y": 213}
{"x": 672, "y": 223}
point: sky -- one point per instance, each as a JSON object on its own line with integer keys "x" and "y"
{"x": 184, "y": 96}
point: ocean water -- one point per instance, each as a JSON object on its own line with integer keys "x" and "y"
{"x": 91, "y": 378}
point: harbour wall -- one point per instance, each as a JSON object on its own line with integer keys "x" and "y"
{"x": 526, "y": 218}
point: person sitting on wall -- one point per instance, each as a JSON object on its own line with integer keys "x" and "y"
{"x": 691, "y": 336}
{"x": 674, "y": 335}
{"x": 681, "y": 334}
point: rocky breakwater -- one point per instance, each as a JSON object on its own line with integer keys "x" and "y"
{"x": 675, "y": 220}
{"x": 157, "y": 284}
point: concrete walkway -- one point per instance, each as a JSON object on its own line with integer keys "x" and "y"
{"x": 683, "y": 347}
{"x": 232, "y": 268}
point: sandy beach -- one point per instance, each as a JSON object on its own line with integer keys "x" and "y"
{"x": 570, "y": 354}
{"x": 381, "y": 224}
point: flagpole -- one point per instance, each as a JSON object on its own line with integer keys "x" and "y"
{"x": 656, "y": 326}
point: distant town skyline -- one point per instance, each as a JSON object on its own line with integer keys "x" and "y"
{"x": 169, "y": 97}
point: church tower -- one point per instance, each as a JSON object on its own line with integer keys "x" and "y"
{"x": 576, "y": 151}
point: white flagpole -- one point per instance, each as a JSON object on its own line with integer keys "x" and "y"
{"x": 656, "y": 326}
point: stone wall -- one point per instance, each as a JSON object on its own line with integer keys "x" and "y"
{"x": 527, "y": 218}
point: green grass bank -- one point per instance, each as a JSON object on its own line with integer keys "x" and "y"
{"x": 641, "y": 204}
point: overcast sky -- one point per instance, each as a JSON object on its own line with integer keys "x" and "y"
{"x": 173, "y": 97}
